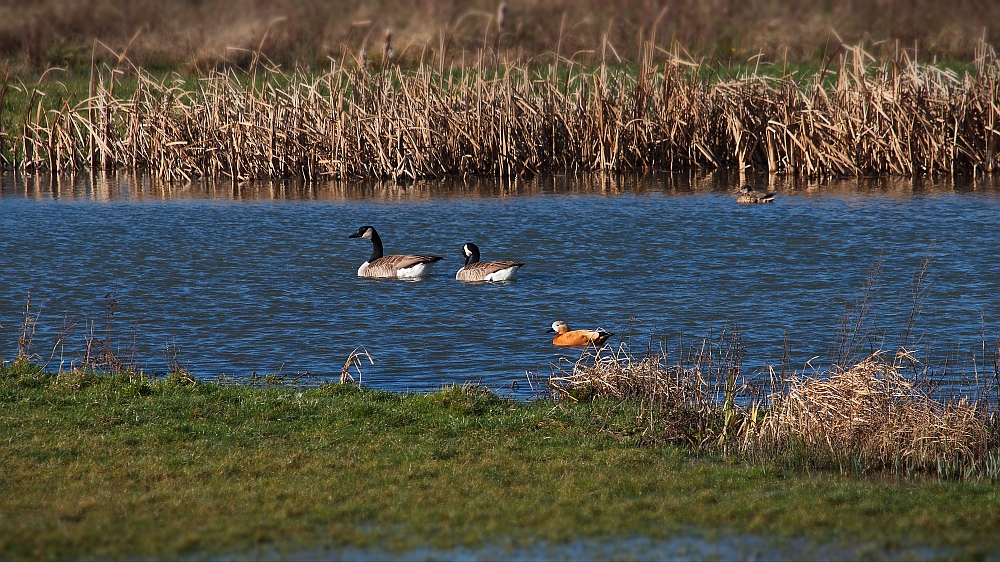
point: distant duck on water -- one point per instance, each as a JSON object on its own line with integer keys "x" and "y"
{"x": 479, "y": 271}
{"x": 395, "y": 266}
{"x": 577, "y": 338}
{"x": 749, "y": 196}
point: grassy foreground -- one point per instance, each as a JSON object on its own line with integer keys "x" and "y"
{"x": 101, "y": 466}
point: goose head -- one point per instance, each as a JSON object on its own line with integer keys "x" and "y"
{"x": 366, "y": 232}
{"x": 471, "y": 253}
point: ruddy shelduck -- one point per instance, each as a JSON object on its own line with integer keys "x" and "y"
{"x": 395, "y": 266}
{"x": 749, "y": 196}
{"x": 577, "y": 338}
{"x": 479, "y": 271}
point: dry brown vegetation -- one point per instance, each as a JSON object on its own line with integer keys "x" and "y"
{"x": 867, "y": 417}
{"x": 693, "y": 401}
{"x": 205, "y": 33}
{"x": 860, "y": 117}
{"x": 878, "y": 415}
{"x": 881, "y": 412}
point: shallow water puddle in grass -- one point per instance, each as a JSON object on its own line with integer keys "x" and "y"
{"x": 743, "y": 547}
{"x": 238, "y": 279}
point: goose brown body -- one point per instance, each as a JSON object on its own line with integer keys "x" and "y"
{"x": 577, "y": 338}
{"x": 392, "y": 266}
{"x": 398, "y": 266}
{"x": 479, "y": 271}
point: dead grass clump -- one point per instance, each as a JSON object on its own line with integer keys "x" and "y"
{"x": 354, "y": 360}
{"x": 693, "y": 402}
{"x": 671, "y": 405}
{"x": 615, "y": 373}
{"x": 870, "y": 416}
{"x": 862, "y": 419}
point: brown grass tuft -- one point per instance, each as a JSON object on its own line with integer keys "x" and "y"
{"x": 865, "y": 418}
{"x": 692, "y": 402}
{"x": 872, "y": 414}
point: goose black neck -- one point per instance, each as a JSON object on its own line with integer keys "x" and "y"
{"x": 376, "y": 247}
{"x": 474, "y": 254}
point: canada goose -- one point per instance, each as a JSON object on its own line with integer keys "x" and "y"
{"x": 403, "y": 267}
{"x": 749, "y": 196}
{"x": 577, "y": 338}
{"x": 475, "y": 270}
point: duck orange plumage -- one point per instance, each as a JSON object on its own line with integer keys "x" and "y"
{"x": 577, "y": 338}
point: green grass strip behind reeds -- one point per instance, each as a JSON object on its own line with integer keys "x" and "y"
{"x": 111, "y": 467}
{"x": 208, "y": 33}
{"x": 856, "y": 117}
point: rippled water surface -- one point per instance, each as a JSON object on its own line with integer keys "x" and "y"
{"x": 262, "y": 277}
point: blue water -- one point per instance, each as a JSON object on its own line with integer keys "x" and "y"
{"x": 262, "y": 277}
{"x": 679, "y": 548}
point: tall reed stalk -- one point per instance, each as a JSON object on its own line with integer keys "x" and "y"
{"x": 505, "y": 119}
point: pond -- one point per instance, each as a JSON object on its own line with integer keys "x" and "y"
{"x": 234, "y": 279}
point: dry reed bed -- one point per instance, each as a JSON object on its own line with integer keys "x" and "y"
{"x": 865, "y": 417}
{"x": 895, "y": 117}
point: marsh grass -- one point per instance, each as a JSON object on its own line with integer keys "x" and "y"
{"x": 871, "y": 412}
{"x": 871, "y": 418}
{"x": 490, "y": 116}
{"x": 692, "y": 401}
{"x": 860, "y": 419}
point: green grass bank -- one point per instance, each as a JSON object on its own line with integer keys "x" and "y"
{"x": 97, "y": 466}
